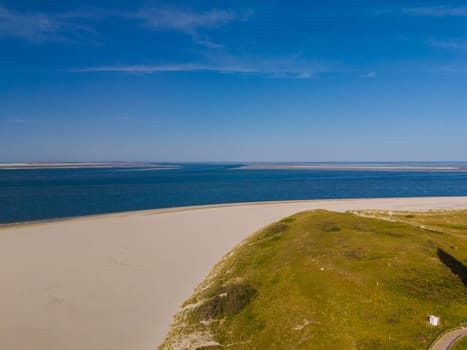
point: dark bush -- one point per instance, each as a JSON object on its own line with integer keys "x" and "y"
{"x": 274, "y": 230}
{"x": 226, "y": 301}
{"x": 288, "y": 220}
{"x": 328, "y": 226}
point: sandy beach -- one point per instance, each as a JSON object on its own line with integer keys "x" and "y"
{"x": 115, "y": 281}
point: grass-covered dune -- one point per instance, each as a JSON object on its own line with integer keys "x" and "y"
{"x": 325, "y": 280}
{"x": 462, "y": 345}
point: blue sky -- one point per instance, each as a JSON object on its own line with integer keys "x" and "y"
{"x": 233, "y": 80}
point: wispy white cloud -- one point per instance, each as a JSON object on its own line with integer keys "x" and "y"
{"x": 279, "y": 68}
{"x": 183, "y": 20}
{"x": 184, "y": 67}
{"x": 436, "y": 11}
{"x": 452, "y": 69}
{"x": 189, "y": 22}
{"x": 17, "y": 120}
{"x": 37, "y": 27}
{"x": 449, "y": 45}
{"x": 291, "y": 67}
{"x": 207, "y": 43}
{"x": 33, "y": 27}
{"x": 369, "y": 75}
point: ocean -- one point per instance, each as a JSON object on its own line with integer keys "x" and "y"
{"x": 44, "y": 194}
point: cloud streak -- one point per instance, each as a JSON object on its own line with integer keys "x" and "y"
{"x": 32, "y": 27}
{"x": 17, "y": 120}
{"x": 436, "y": 11}
{"x": 189, "y": 22}
{"x": 369, "y": 75}
{"x": 279, "y": 68}
{"x": 148, "y": 69}
{"x": 37, "y": 27}
{"x": 449, "y": 45}
{"x": 453, "y": 70}
{"x": 183, "y": 20}
{"x": 289, "y": 66}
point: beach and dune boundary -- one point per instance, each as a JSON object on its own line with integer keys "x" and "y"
{"x": 114, "y": 281}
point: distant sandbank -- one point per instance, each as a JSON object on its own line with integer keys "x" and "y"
{"x": 115, "y": 281}
{"x": 258, "y": 166}
{"x": 76, "y": 165}
{"x": 337, "y": 166}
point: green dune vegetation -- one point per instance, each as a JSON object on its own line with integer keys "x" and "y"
{"x": 461, "y": 345}
{"x": 326, "y": 280}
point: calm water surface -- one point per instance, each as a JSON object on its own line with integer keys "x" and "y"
{"x": 40, "y": 194}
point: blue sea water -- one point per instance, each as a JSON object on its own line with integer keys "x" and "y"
{"x": 39, "y": 194}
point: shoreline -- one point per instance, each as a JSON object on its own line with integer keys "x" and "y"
{"x": 114, "y": 281}
{"x": 213, "y": 206}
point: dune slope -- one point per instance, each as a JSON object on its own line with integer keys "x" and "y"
{"x": 326, "y": 280}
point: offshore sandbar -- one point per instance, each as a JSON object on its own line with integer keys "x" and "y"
{"x": 82, "y": 165}
{"x": 362, "y": 167}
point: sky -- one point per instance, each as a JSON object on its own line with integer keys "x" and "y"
{"x": 233, "y": 81}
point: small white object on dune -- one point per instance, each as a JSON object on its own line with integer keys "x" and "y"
{"x": 434, "y": 320}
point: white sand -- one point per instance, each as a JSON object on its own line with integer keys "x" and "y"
{"x": 115, "y": 281}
